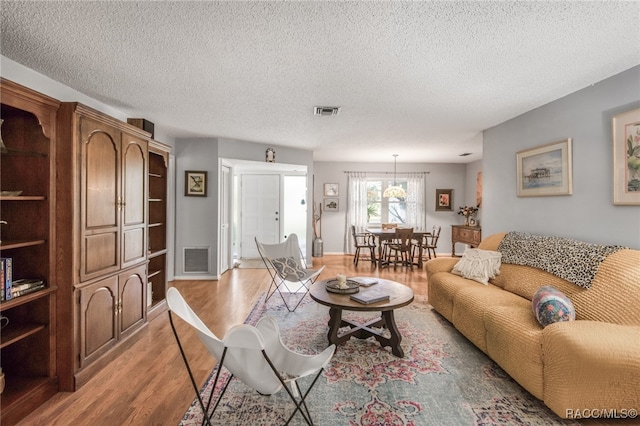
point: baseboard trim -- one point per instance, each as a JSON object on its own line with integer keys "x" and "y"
{"x": 196, "y": 277}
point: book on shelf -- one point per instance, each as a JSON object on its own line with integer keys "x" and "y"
{"x": 371, "y": 296}
{"x": 2, "y": 280}
{"x": 7, "y": 274}
{"x": 25, "y": 286}
{"x": 28, "y": 290}
{"x": 365, "y": 281}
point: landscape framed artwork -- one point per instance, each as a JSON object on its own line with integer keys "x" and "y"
{"x": 626, "y": 158}
{"x": 444, "y": 199}
{"x": 195, "y": 183}
{"x": 331, "y": 204}
{"x": 545, "y": 170}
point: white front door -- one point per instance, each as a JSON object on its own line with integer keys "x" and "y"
{"x": 260, "y": 212}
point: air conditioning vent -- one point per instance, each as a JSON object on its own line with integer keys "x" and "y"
{"x": 196, "y": 259}
{"x": 326, "y": 111}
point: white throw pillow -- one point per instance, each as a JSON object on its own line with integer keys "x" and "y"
{"x": 478, "y": 265}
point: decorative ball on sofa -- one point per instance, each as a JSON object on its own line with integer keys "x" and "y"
{"x": 551, "y": 305}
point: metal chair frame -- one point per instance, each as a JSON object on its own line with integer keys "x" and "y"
{"x": 210, "y": 340}
{"x": 289, "y": 248}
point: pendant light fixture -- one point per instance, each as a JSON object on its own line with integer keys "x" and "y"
{"x": 394, "y": 190}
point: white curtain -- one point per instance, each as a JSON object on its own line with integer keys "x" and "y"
{"x": 416, "y": 201}
{"x": 356, "y": 207}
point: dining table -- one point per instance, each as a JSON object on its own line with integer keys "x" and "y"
{"x": 382, "y": 235}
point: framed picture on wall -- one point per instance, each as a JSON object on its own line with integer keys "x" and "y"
{"x": 195, "y": 183}
{"x": 331, "y": 189}
{"x": 444, "y": 199}
{"x": 330, "y": 204}
{"x": 626, "y": 158}
{"x": 545, "y": 170}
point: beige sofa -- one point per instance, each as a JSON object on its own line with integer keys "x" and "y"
{"x": 592, "y": 363}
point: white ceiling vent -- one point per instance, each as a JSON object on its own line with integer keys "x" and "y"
{"x": 325, "y": 110}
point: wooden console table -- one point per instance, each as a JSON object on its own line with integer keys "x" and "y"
{"x": 471, "y": 235}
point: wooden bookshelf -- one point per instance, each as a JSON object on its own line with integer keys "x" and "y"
{"x": 157, "y": 228}
{"x": 28, "y": 341}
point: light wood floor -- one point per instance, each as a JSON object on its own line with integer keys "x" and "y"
{"x": 148, "y": 385}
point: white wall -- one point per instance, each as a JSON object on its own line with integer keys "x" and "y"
{"x": 588, "y": 214}
{"x": 441, "y": 176}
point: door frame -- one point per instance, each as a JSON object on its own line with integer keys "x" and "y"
{"x": 239, "y": 167}
{"x": 226, "y": 188}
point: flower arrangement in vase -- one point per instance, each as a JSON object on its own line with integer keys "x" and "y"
{"x": 468, "y": 212}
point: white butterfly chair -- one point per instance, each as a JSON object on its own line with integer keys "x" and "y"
{"x": 287, "y": 270}
{"x": 255, "y": 355}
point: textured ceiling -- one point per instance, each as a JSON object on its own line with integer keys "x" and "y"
{"x": 417, "y": 79}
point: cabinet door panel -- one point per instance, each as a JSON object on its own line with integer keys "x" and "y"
{"x": 98, "y": 319}
{"x": 134, "y": 184}
{"x": 133, "y": 313}
{"x": 100, "y": 206}
{"x": 101, "y": 181}
{"x": 134, "y": 178}
{"x": 133, "y": 245}
{"x": 101, "y": 252}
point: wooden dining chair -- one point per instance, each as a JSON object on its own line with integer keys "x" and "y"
{"x": 363, "y": 240}
{"x": 430, "y": 242}
{"x": 400, "y": 248}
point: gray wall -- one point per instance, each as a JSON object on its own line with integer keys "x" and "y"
{"x": 197, "y": 217}
{"x": 441, "y": 176}
{"x": 588, "y": 214}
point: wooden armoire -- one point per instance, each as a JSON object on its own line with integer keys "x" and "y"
{"x": 102, "y": 195}
{"x": 84, "y": 212}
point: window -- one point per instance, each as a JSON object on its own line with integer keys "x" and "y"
{"x": 385, "y": 210}
{"x": 366, "y": 207}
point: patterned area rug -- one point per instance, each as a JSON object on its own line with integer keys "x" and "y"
{"x": 443, "y": 379}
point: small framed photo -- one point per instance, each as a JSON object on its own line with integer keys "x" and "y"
{"x": 626, "y": 158}
{"x": 545, "y": 170}
{"x": 331, "y": 204}
{"x": 331, "y": 190}
{"x": 444, "y": 199}
{"x": 195, "y": 183}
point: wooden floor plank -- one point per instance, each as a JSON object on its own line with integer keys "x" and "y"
{"x": 148, "y": 385}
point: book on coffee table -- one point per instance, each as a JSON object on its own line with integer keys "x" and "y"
{"x": 371, "y": 296}
{"x": 365, "y": 282}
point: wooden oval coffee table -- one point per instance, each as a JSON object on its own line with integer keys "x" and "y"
{"x": 399, "y": 295}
